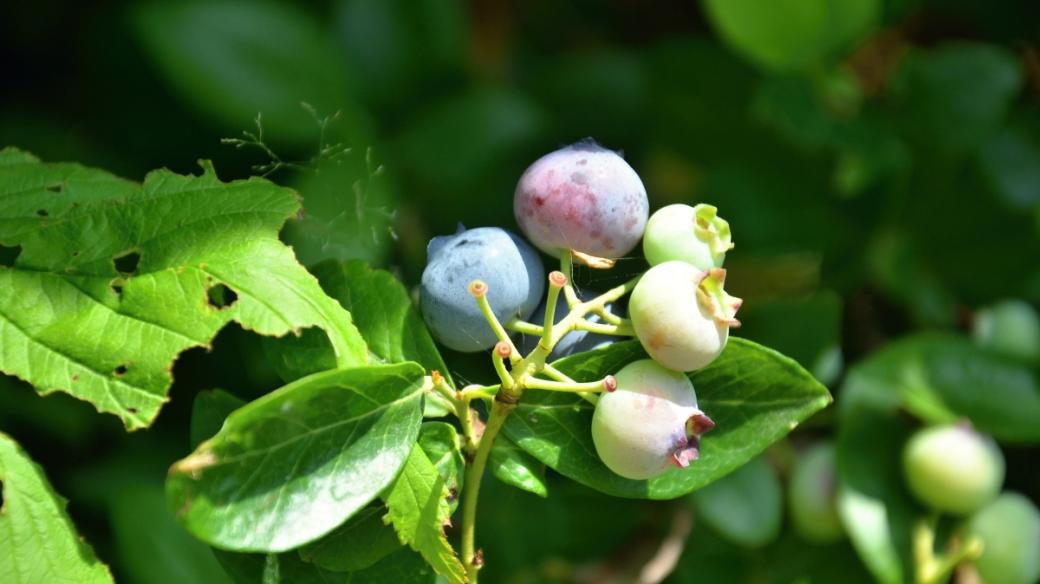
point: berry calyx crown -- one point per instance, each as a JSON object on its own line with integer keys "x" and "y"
{"x": 710, "y": 293}
{"x": 712, "y": 230}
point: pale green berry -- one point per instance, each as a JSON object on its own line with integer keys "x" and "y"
{"x": 1010, "y": 532}
{"x": 695, "y": 235}
{"x": 953, "y": 468}
{"x": 682, "y": 315}
{"x": 649, "y": 423}
{"x": 811, "y": 495}
{"x": 1011, "y": 327}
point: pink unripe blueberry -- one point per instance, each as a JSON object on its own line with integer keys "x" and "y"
{"x": 682, "y": 315}
{"x": 811, "y": 495}
{"x": 953, "y": 468}
{"x": 695, "y": 235}
{"x": 584, "y": 198}
{"x": 649, "y": 423}
{"x": 1009, "y": 528}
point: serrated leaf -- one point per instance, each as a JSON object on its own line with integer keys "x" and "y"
{"x": 70, "y": 321}
{"x": 418, "y": 510}
{"x": 511, "y": 465}
{"x": 942, "y": 378}
{"x": 39, "y": 541}
{"x": 384, "y": 314}
{"x": 292, "y": 466}
{"x": 440, "y": 442}
{"x": 754, "y": 394}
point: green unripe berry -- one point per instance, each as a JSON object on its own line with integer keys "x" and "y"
{"x": 811, "y": 495}
{"x": 682, "y": 315}
{"x": 1011, "y": 327}
{"x": 1010, "y": 532}
{"x": 649, "y": 423}
{"x": 953, "y": 468}
{"x": 695, "y": 235}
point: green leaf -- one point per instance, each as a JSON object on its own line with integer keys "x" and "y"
{"x": 39, "y": 541}
{"x": 402, "y": 567}
{"x": 440, "y": 441}
{"x": 418, "y": 510}
{"x": 1010, "y": 162}
{"x": 229, "y": 59}
{"x": 290, "y": 467}
{"x": 384, "y": 314}
{"x": 129, "y": 274}
{"x": 357, "y": 544}
{"x": 208, "y": 412}
{"x": 744, "y": 506}
{"x": 875, "y": 508}
{"x": 974, "y": 84}
{"x": 513, "y": 466}
{"x": 942, "y": 378}
{"x": 157, "y": 550}
{"x": 754, "y": 394}
{"x": 786, "y": 35}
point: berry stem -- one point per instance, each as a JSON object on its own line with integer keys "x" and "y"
{"x": 561, "y": 376}
{"x": 524, "y": 327}
{"x": 623, "y": 329}
{"x": 607, "y": 384}
{"x": 932, "y": 568}
{"x": 496, "y": 326}
{"x": 567, "y": 267}
{"x": 471, "y": 487}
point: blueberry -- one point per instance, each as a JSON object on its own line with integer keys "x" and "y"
{"x": 583, "y": 198}
{"x": 650, "y": 423}
{"x": 507, "y": 264}
{"x": 695, "y": 235}
{"x": 1009, "y": 528}
{"x": 681, "y": 315}
{"x": 953, "y": 468}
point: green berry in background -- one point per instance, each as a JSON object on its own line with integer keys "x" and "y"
{"x": 1011, "y": 327}
{"x": 953, "y": 468}
{"x": 811, "y": 495}
{"x": 1010, "y": 532}
{"x": 695, "y": 235}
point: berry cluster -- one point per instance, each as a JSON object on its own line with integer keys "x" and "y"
{"x": 583, "y": 203}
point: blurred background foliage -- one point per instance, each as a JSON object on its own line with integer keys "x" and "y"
{"x": 879, "y": 161}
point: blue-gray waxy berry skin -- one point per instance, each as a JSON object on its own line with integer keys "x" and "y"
{"x": 509, "y": 266}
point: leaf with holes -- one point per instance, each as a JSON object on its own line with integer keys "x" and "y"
{"x": 754, "y": 394}
{"x": 39, "y": 541}
{"x": 290, "y": 467}
{"x": 115, "y": 279}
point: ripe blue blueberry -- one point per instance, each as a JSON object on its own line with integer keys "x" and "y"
{"x": 507, "y": 264}
{"x": 583, "y": 198}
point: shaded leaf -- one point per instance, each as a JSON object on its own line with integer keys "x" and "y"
{"x": 511, "y": 465}
{"x": 754, "y": 394}
{"x": 126, "y": 271}
{"x": 744, "y": 506}
{"x": 39, "y": 541}
{"x": 403, "y": 567}
{"x": 292, "y": 466}
{"x": 357, "y": 544}
{"x": 942, "y": 378}
{"x": 229, "y": 59}
{"x": 208, "y": 412}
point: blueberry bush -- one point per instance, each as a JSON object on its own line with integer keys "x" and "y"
{"x": 343, "y": 291}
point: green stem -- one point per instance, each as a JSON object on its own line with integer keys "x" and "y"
{"x": 471, "y": 487}
{"x": 524, "y": 327}
{"x": 567, "y": 267}
{"x": 620, "y": 330}
{"x": 500, "y": 331}
{"x": 931, "y": 568}
{"x": 561, "y": 376}
{"x": 571, "y": 386}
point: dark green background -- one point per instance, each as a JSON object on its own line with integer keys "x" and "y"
{"x": 892, "y": 184}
